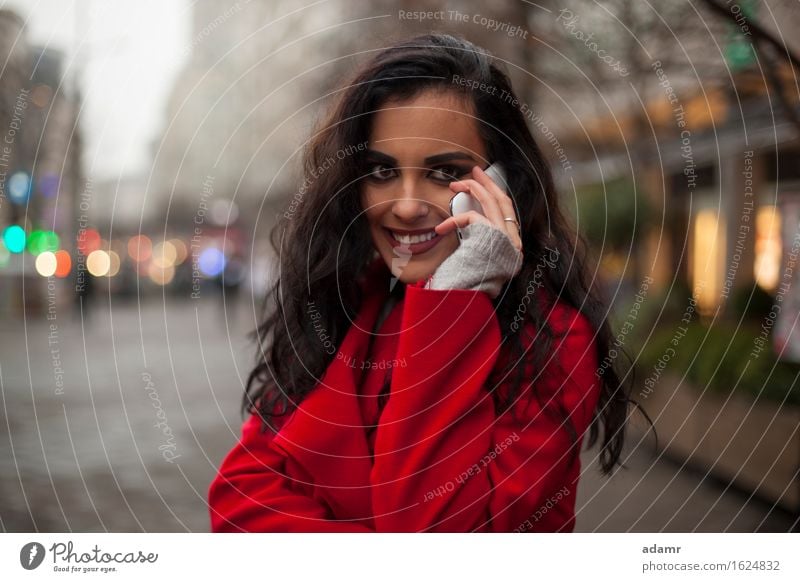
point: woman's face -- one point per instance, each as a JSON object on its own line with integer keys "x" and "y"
{"x": 416, "y": 148}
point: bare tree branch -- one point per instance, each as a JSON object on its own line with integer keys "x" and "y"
{"x": 759, "y": 33}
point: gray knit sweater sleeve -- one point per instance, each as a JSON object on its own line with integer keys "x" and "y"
{"x": 484, "y": 261}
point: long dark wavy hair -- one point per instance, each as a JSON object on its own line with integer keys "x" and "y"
{"x": 323, "y": 242}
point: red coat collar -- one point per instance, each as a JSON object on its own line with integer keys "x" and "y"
{"x": 324, "y": 438}
{"x": 325, "y": 435}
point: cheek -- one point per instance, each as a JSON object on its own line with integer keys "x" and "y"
{"x": 372, "y": 215}
{"x": 373, "y": 218}
{"x": 369, "y": 205}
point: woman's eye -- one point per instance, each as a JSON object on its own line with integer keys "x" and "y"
{"x": 380, "y": 172}
{"x": 447, "y": 173}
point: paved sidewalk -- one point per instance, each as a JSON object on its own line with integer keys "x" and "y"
{"x": 128, "y": 434}
{"x": 655, "y": 494}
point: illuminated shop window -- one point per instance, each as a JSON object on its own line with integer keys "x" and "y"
{"x": 767, "y": 266}
{"x": 708, "y": 243}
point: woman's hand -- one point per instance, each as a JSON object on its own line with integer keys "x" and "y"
{"x": 496, "y": 204}
{"x": 491, "y": 253}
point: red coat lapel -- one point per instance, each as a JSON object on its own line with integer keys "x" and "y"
{"x": 326, "y": 434}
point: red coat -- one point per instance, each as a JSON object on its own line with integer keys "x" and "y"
{"x": 439, "y": 459}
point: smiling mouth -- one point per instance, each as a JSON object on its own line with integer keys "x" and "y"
{"x": 416, "y": 243}
{"x": 413, "y": 238}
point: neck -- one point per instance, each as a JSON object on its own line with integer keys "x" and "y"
{"x": 396, "y": 294}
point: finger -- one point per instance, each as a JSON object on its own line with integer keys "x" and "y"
{"x": 492, "y": 209}
{"x": 460, "y": 220}
{"x": 506, "y": 205}
{"x": 490, "y": 206}
{"x": 512, "y": 229}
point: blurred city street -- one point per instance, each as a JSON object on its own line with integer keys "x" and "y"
{"x": 92, "y": 458}
{"x": 161, "y": 163}
{"x": 89, "y": 460}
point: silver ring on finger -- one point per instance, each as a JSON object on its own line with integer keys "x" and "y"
{"x": 519, "y": 229}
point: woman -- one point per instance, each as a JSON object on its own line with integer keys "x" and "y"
{"x": 410, "y": 379}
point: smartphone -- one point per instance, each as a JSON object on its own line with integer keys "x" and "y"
{"x": 464, "y": 201}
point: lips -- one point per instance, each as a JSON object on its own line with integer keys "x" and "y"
{"x": 420, "y": 246}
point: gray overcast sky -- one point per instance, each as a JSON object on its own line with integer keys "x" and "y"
{"x": 130, "y": 52}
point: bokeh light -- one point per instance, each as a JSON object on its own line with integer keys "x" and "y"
{"x": 180, "y": 249}
{"x": 40, "y": 241}
{"x": 114, "y": 263}
{"x": 164, "y": 254}
{"x": 14, "y": 238}
{"x": 88, "y": 240}
{"x": 19, "y": 187}
{"x": 140, "y": 248}
{"x": 98, "y": 263}
{"x": 64, "y": 263}
{"x": 211, "y": 262}
{"x": 46, "y": 264}
{"x": 224, "y": 212}
{"x": 161, "y": 275}
{"x": 41, "y": 95}
{"x": 48, "y": 185}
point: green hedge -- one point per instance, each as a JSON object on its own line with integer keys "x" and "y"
{"x": 612, "y": 215}
{"x": 715, "y": 357}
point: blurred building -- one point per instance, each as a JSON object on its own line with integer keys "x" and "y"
{"x": 242, "y": 104}
{"x": 40, "y": 172}
{"x": 684, "y": 162}
{"x": 120, "y": 203}
{"x": 693, "y": 143}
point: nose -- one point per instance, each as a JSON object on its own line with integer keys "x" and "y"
{"x": 410, "y": 203}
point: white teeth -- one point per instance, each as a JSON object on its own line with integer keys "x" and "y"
{"x": 413, "y": 239}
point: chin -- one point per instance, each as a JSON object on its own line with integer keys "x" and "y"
{"x": 417, "y": 267}
{"x": 410, "y": 271}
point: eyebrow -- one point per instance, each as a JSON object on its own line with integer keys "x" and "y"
{"x": 430, "y": 160}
